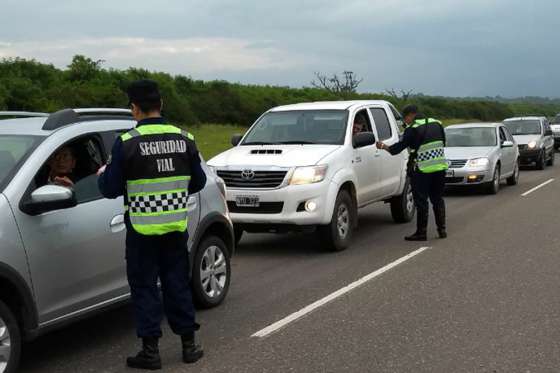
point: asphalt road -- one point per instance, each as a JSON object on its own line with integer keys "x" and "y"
{"x": 484, "y": 300}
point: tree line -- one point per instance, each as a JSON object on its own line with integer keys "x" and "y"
{"x": 34, "y": 86}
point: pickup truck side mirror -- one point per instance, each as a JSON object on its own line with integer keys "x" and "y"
{"x": 363, "y": 139}
{"x": 49, "y": 198}
{"x": 236, "y": 139}
{"x": 507, "y": 144}
{"x": 548, "y": 132}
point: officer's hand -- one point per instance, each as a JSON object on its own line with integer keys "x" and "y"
{"x": 101, "y": 169}
{"x": 380, "y": 145}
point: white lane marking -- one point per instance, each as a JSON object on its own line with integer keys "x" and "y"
{"x": 321, "y": 302}
{"x": 537, "y": 188}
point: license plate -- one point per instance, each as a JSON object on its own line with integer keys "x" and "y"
{"x": 247, "y": 201}
{"x": 450, "y": 173}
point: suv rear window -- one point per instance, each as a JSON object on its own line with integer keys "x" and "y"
{"x": 524, "y": 127}
{"x": 14, "y": 149}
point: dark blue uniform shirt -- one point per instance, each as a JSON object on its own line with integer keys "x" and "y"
{"x": 112, "y": 184}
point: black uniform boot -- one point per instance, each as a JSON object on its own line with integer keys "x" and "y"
{"x": 191, "y": 351}
{"x": 421, "y": 227}
{"x": 439, "y": 212}
{"x": 418, "y": 236}
{"x": 148, "y": 358}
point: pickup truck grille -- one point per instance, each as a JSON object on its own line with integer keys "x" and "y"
{"x": 457, "y": 163}
{"x": 522, "y": 147}
{"x": 260, "y": 179}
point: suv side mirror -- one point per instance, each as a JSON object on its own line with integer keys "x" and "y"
{"x": 507, "y": 144}
{"x": 548, "y": 132}
{"x": 363, "y": 139}
{"x": 236, "y": 139}
{"x": 49, "y": 198}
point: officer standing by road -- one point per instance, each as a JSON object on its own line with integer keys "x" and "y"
{"x": 155, "y": 166}
{"x": 425, "y": 138}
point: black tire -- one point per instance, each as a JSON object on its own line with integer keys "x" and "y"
{"x": 8, "y": 319}
{"x": 493, "y": 187}
{"x": 402, "y": 206}
{"x": 541, "y": 162}
{"x": 345, "y": 211}
{"x": 238, "y": 234}
{"x": 202, "y": 296}
{"x": 552, "y": 158}
{"x": 514, "y": 179}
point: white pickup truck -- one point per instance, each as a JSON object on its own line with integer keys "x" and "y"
{"x": 305, "y": 167}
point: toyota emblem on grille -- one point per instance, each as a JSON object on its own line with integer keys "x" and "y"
{"x": 248, "y": 175}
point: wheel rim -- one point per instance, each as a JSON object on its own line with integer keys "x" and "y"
{"x": 5, "y": 346}
{"x": 409, "y": 199}
{"x": 213, "y": 272}
{"x": 497, "y": 179}
{"x": 516, "y": 177}
{"x": 342, "y": 221}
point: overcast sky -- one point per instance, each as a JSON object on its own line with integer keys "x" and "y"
{"x": 439, "y": 47}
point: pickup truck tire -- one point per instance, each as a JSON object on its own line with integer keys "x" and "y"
{"x": 237, "y": 234}
{"x": 552, "y": 156}
{"x": 337, "y": 235}
{"x": 541, "y": 162}
{"x": 211, "y": 272}
{"x": 10, "y": 340}
{"x": 402, "y": 206}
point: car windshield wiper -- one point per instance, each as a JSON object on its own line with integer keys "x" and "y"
{"x": 296, "y": 142}
{"x": 258, "y": 143}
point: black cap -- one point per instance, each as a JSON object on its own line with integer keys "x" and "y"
{"x": 143, "y": 91}
{"x": 410, "y": 109}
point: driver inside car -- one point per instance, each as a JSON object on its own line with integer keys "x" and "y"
{"x": 61, "y": 167}
{"x": 359, "y": 125}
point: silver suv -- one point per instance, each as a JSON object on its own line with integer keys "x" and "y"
{"x": 62, "y": 249}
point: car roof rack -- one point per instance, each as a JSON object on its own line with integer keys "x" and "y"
{"x": 66, "y": 117}
{"x": 21, "y": 114}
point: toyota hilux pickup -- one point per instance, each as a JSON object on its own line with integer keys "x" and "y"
{"x": 311, "y": 166}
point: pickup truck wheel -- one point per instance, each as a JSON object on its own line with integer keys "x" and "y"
{"x": 403, "y": 207}
{"x": 541, "y": 162}
{"x": 551, "y": 160}
{"x": 10, "y": 340}
{"x": 211, "y": 272}
{"x": 337, "y": 235}
{"x": 238, "y": 234}
{"x": 514, "y": 179}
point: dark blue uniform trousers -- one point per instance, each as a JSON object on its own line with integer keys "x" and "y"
{"x": 424, "y": 187}
{"x": 169, "y": 263}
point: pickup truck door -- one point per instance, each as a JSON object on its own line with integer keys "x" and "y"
{"x": 366, "y": 162}
{"x": 391, "y": 166}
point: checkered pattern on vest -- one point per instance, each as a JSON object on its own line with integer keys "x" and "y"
{"x": 431, "y": 154}
{"x": 158, "y": 203}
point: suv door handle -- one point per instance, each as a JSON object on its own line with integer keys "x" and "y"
{"x": 117, "y": 223}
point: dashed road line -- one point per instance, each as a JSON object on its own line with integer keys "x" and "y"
{"x": 537, "y": 188}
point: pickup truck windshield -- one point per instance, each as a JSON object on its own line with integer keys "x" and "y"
{"x": 13, "y": 151}
{"x": 470, "y": 137}
{"x": 523, "y": 127}
{"x": 299, "y": 127}
{"x": 556, "y": 120}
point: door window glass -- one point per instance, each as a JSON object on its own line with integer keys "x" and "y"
{"x": 381, "y": 123}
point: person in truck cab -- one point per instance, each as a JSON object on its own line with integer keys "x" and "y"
{"x": 425, "y": 138}
{"x": 360, "y": 124}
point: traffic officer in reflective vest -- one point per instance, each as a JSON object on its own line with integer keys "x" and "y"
{"x": 425, "y": 139}
{"x": 155, "y": 166}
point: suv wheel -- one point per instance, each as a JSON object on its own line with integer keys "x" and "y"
{"x": 493, "y": 187}
{"x": 514, "y": 179}
{"x": 10, "y": 340}
{"x": 403, "y": 207}
{"x": 337, "y": 235}
{"x": 211, "y": 272}
{"x": 541, "y": 162}
{"x": 552, "y": 156}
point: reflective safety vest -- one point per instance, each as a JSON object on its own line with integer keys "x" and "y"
{"x": 157, "y": 172}
{"x": 430, "y": 156}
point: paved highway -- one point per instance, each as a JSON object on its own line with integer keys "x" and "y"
{"x": 484, "y": 300}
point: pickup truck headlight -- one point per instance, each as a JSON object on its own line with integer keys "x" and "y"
{"x": 308, "y": 175}
{"x": 532, "y": 144}
{"x": 478, "y": 162}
